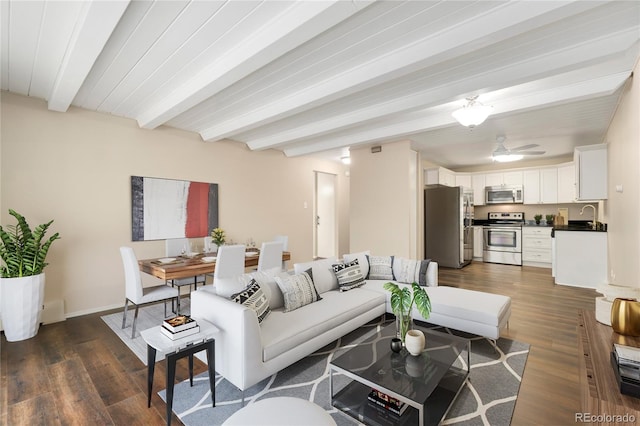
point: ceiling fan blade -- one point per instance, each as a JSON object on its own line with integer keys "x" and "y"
{"x": 531, "y": 152}
{"x": 520, "y": 148}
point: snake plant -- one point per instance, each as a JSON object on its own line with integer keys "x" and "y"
{"x": 402, "y": 301}
{"x": 22, "y": 250}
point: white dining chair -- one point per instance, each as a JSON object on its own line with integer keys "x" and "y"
{"x": 229, "y": 267}
{"x": 284, "y": 239}
{"x": 139, "y": 295}
{"x": 176, "y": 247}
{"x": 270, "y": 256}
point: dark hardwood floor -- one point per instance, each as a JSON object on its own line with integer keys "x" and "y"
{"x": 78, "y": 372}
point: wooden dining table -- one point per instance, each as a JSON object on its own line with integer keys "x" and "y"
{"x": 186, "y": 267}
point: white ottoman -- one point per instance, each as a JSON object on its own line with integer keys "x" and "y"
{"x": 281, "y": 411}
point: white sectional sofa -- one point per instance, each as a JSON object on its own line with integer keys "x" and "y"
{"x": 248, "y": 352}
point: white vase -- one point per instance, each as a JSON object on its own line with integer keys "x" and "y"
{"x": 22, "y": 300}
{"x": 414, "y": 342}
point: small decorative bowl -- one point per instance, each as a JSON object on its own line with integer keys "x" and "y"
{"x": 396, "y": 344}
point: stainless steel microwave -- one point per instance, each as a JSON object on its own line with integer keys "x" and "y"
{"x": 504, "y": 194}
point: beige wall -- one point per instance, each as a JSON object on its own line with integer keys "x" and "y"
{"x": 75, "y": 168}
{"x": 622, "y": 209}
{"x": 383, "y": 200}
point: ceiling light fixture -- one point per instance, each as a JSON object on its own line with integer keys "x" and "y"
{"x": 473, "y": 113}
{"x": 345, "y": 160}
{"x": 505, "y": 158}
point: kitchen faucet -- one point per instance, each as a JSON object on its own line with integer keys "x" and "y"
{"x": 594, "y": 214}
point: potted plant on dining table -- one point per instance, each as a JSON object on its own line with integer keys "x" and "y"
{"x": 218, "y": 237}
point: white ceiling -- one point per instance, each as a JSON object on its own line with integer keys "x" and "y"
{"x": 309, "y": 77}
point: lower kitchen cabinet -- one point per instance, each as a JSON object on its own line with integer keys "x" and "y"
{"x": 536, "y": 246}
{"x": 478, "y": 238}
{"x": 581, "y": 258}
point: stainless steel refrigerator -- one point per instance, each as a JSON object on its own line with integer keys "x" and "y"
{"x": 448, "y": 225}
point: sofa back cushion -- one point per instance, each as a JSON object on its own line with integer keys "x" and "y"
{"x": 362, "y": 261}
{"x": 323, "y": 276}
{"x": 267, "y": 282}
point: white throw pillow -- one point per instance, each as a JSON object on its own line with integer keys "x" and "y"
{"x": 380, "y": 267}
{"x": 362, "y": 261}
{"x": 298, "y": 290}
{"x": 322, "y": 270}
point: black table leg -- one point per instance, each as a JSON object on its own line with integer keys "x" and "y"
{"x": 171, "y": 376}
{"x": 191, "y": 370}
{"x": 151, "y": 364}
{"x": 211, "y": 362}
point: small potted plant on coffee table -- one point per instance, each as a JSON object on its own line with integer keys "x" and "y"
{"x": 402, "y": 301}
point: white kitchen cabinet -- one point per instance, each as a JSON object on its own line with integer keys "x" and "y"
{"x": 478, "y": 238}
{"x": 540, "y": 186}
{"x": 581, "y": 258}
{"x": 536, "y": 246}
{"x": 439, "y": 176}
{"x": 504, "y": 178}
{"x": 478, "y": 184}
{"x": 463, "y": 179}
{"x": 566, "y": 183}
{"x": 591, "y": 172}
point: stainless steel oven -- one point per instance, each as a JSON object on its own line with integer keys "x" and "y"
{"x": 503, "y": 238}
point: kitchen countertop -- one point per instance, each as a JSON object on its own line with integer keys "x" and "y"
{"x": 578, "y": 228}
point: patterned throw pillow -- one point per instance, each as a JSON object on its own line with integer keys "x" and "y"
{"x": 254, "y": 298}
{"x": 298, "y": 290}
{"x": 380, "y": 267}
{"x": 348, "y": 274}
{"x": 410, "y": 271}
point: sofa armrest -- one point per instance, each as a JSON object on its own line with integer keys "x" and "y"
{"x": 432, "y": 274}
{"x": 239, "y": 343}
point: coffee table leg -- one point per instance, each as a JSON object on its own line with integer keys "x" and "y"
{"x": 151, "y": 364}
{"x": 211, "y": 361}
{"x": 171, "y": 376}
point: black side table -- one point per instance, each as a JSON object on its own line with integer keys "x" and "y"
{"x": 174, "y": 350}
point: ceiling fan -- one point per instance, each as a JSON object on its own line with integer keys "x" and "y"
{"x": 502, "y": 154}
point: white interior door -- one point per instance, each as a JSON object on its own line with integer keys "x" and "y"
{"x": 325, "y": 215}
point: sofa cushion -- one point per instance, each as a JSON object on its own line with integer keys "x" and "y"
{"x": 349, "y": 275}
{"x": 362, "y": 260}
{"x": 409, "y": 270}
{"x": 380, "y": 267}
{"x": 282, "y": 331}
{"x": 323, "y": 276}
{"x": 254, "y": 298}
{"x": 298, "y": 290}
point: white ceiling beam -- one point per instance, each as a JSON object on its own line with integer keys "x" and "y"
{"x": 537, "y": 67}
{"x": 300, "y": 23}
{"x": 95, "y": 24}
{"x": 500, "y": 23}
{"x": 434, "y": 118}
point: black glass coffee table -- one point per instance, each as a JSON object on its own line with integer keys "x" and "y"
{"x": 427, "y": 383}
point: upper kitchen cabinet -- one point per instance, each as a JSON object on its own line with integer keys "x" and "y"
{"x": 478, "y": 183}
{"x": 439, "y": 176}
{"x": 566, "y": 183}
{"x": 540, "y": 186}
{"x": 591, "y": 172}
{"x": 463, "y": 179}
{"x": 504, "y": 178}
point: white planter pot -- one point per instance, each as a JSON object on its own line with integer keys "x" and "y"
{"x": 414, "y": 342}
{"x": 22, "y": 300}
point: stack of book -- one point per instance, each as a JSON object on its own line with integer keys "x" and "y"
{"x": 626, "y": 365}
{"x": 387, "y": 402}
{"x": 179, "y": 326}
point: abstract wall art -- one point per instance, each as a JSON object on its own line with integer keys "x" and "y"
{"x": 167, "y": 208}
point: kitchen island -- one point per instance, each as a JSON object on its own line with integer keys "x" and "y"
{"x": 580, "y": 256}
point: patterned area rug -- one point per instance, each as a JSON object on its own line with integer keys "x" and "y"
{"x": 487, "y": 398}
